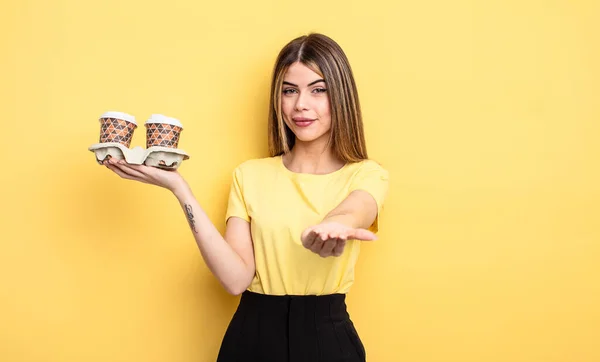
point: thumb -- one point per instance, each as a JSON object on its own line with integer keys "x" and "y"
{"x": 362, "y": 234}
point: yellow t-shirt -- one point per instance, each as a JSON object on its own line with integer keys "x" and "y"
{"x": 281, "y": 204}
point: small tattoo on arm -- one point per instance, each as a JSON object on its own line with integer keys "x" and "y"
{"x": 190, "y": 217}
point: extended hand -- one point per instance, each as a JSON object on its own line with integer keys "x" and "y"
{"x": 329, "y": 238}
{"x": 169, "y": 179}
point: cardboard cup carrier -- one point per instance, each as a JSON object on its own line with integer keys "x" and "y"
{"x": 162, "y": 140}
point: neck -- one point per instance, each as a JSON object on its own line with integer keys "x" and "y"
{"x": 312, "y": 157}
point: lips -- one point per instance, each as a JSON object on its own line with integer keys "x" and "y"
{"x": 302, "y": 121}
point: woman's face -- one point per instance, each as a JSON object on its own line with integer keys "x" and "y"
{"x": 305, "y": 103}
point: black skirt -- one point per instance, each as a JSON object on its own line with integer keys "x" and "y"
{"x": 268, "y": 328}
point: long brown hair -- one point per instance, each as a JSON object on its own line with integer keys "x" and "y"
{"x": 325, "y": 57}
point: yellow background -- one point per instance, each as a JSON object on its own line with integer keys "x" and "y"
{"x": 486, "y": 114}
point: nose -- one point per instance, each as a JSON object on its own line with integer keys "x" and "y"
{"x": 300, "y": 104}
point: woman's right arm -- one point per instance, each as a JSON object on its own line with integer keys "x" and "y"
{"x": 229, "y": 258}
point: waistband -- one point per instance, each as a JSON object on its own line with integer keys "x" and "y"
{"x": 329, "y": 305}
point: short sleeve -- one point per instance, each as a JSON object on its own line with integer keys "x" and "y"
{"x": 237, "y": 204}
{"x": 374, "y": 179}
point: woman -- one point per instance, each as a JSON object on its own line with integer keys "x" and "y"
{"x": 294, "y": 220}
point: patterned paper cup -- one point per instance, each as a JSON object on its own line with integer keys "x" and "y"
{"x": 117, "y": 127}
{"x": 162, "y": 131}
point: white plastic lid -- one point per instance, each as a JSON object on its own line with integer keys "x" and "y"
{"x": 120, "y": 115}
{"x": 159, "y": 118}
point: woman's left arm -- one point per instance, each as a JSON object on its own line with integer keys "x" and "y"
{"x": 355, "y": 218}
{"x": 348, "y": 221}
{"x": 357, "y": 211}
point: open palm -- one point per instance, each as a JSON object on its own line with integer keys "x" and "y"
{"x": 329, "y": 238}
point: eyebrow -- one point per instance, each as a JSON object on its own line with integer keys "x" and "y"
{"x": 312, "y": 83}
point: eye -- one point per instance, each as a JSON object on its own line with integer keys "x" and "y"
{"x": 319, "y": 90}
{"x": 288, "y": 91}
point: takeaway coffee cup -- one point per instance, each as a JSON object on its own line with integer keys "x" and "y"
{"x": 117, "y": 127}
{"x": 162, "y": 131}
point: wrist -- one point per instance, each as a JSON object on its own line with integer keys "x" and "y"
{"x": 180, "y": 188}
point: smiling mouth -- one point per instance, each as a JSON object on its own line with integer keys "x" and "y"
{"x": 303, "y": 122}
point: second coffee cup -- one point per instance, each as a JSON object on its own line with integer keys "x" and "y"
{"x": 162, "y": 131}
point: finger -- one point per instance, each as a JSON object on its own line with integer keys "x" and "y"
{"x": 328, "y": 247}
{"x": 113, "y": 166}
{"x": 143, "y": 169}
{"x": 362, "y": 234}
{"x": 125, "y": 168}
{"x": 309, "y": 238}
{"x": 304, "y": 236}
{"x": 339, "y": 247}
{"x": 118, "y": 171}
{"x": 318, "y": 244}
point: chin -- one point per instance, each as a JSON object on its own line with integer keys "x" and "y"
{"x": 304, "y": 137}
{"x": 311, "y": 133}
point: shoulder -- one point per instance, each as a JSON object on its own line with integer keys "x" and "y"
{"x": 257, "y": 166}
{"x": 366, "y": 168}
{"x": 372, "y": 177}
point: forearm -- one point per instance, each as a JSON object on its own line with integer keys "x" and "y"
{"x": 342, "y": 217}
{"x": 357, "y": 211}
{"x": 219, "y": 256}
